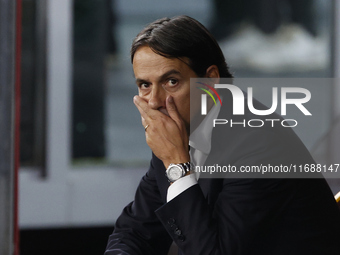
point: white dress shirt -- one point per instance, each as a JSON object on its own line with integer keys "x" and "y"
{"x": 200, "y": 146}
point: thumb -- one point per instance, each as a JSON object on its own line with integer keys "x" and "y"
{"x": 172, "y": 110}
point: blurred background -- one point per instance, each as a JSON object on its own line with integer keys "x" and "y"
{"x": 82, "y": 145}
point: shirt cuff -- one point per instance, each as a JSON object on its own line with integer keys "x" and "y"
{"x": 180, "y": 186}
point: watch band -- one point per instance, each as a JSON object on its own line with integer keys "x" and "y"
{"x": 187, "y": 167}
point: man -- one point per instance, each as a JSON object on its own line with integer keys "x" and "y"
{"x": 213, "y": 216}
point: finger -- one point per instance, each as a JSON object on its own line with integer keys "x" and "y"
{"x": 144, "y": 123}
{"x": 144, "y": 109}
{"x": 141, "y": 107}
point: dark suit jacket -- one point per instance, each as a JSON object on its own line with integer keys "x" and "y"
{"x": 232, "y": 216}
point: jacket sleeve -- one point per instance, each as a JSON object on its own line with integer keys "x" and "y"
{"x": 138, "y": 230}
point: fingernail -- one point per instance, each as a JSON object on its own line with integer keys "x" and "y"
{"x": 171, "y": 100}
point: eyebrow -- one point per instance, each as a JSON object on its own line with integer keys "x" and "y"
{"x": 163, "y": 76}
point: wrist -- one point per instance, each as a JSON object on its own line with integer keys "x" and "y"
{"x": 177, "y": 160}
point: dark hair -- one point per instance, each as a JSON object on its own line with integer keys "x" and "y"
{"x": 183, "y": 36}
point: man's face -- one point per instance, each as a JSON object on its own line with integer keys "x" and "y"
{"x": 158, "y": 77}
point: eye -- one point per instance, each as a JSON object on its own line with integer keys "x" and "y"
{"x": 172, "y": 82}
{"x": 144, "y": 85}
{"x": 171, "y": 85}
{"x": 144, "y": 88}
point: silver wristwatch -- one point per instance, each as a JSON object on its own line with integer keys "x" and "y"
{"x": 177, "y": 171}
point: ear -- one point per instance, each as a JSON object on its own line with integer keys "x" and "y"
{"x": 212, "y": 72}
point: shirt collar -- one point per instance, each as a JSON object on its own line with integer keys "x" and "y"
{"x": 200, "y": 139}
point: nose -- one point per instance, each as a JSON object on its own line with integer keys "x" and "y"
{"x": 157, "y": 98}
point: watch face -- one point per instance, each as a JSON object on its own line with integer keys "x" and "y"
{"x": 174, "y": 173}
